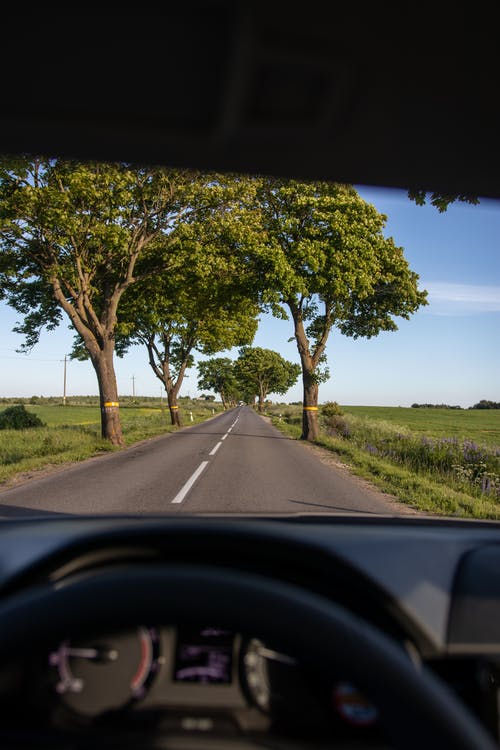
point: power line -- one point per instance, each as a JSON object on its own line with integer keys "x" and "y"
{"x": 31, "y": 359}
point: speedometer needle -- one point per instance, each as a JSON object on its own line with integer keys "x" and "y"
{"x": 269, "y": 653}
{"x": 92, "y": 653}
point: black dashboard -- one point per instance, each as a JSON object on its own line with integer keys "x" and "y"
{"x": 156, "y": 681}
{"x": 80, "y": 673}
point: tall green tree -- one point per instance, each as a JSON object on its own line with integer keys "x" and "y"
{"x": 196, "y": 320}
{"x": 209, "y": 304}
{"x": 262, "y": 371}
{"x": 75, "y": 237}
{"x": 325, "y": 262}
{"x": 217, "y": 375}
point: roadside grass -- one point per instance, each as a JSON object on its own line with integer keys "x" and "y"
{"x": 72, "y": 433}
{"x": 431, "y": 472}
{"x": 480, "y": 425}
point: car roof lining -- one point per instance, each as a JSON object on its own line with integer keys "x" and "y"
{"x": 404, "y": 100}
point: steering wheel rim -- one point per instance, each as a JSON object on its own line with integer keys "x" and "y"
{"x": 416, "y": 709}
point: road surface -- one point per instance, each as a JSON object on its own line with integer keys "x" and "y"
{"x": 234, "y": 463}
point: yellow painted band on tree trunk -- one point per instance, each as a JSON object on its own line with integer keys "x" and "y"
{"x": 173, "y": 407}
{"x": 111, "y": 403}
{"x": 309, "y": 408}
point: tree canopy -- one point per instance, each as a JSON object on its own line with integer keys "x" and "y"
{"x": 262, "y": 371}
{"x": 206, "y": 304}
{"x": 217, "y": 375}
{"x": 74, "y": 237}
{"x": 441, "y": 201}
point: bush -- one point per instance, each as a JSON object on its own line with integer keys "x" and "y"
{"x": 17, "y": 418}
{"x": 331, "y": 409}
{"x": 332, "y": 418}
{"x": 337, "y": 425}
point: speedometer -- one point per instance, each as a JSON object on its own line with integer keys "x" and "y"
{"x": 106, "y": 673}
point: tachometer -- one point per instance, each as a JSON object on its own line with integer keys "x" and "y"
{"x": 96, "y": 675}
{"x": 263, "y": 672}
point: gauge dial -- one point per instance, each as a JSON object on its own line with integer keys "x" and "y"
{"x": 106, "y": 673}
{"x": 258, "y": 662}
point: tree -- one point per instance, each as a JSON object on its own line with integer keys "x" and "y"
{"x": 75, "y": 237}
{"x": 486, "y": 404}
{"x": 327, "y": 264}
{"x": 205, "y": 306}
{"x": 217, "y": 374}
{"x": 191, "y": 324}
{"x": 263, "y": 371}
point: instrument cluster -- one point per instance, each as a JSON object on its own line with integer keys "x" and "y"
{"x": 191, "y": 679}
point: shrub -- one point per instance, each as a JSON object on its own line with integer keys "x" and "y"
{"x": 332, "y": 418}
{"x": 331, "y": 409}
{"x": 17, "y": 418}
{"x": 337, "y": 425}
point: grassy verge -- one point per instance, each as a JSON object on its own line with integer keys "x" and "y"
{"x": 72, "y": 433}
{"x": 444, "y": 475}
{"x": 480, "y": 425}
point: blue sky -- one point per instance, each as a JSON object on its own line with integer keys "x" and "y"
{"x": 448, "y": 352}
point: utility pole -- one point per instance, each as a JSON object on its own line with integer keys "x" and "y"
{"x": 133, "y": 386}
{"x": 64, "y": 390}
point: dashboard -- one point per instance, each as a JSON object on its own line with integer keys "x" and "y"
{"x": 197, "y": 681}
{"x": 127, "y": 665}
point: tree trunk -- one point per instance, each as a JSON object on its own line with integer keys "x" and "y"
{"x": 175, "y": 417}
{"x": 261, "y": 400}
{"x": 310, "y": 424}
{"x": 111, "y": 428}
{"x": 173, "y": 387}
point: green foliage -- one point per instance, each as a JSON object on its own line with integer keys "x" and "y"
{"x": 485, "y": 404}
{"x": 262, "y": 371}
{"x": 332, "y": 418}
{"x": 441, "y": 201}
{"x": 462, "y": 463}
{"x": 325, "y": 261}
{"x": 217, "y": 374}
{"x": 331, "y": 409}
{"x": 75, "y": 237}
{"x": 203, "y": 303}
{"x": 417, "y": 478}
{"x": 329, "y": 262}
{"x": 17, "y": 418}
{"x": 434, "y": 406}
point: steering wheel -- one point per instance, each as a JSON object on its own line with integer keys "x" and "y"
{"x": 415, "y": 708}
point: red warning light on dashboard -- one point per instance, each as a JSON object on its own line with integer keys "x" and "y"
{"x": 352, "y": 706}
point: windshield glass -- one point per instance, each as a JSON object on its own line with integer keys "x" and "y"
{"x": 239, "y": 344}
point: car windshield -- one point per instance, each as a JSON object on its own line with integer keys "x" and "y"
{"x": 180, "y": 341}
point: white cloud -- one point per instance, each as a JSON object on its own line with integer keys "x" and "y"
{"x": 461, "y": 299}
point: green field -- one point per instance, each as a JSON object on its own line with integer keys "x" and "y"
{"x": 480, "y": 425}
{"x": 444, "y": 461}
{"x": 72, "y": 433}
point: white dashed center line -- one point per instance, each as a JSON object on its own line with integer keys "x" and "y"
{"x": 192, "y": 479}
{"x": 215, "y": 449}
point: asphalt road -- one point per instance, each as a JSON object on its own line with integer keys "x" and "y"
{"x": 234, "y": 463}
